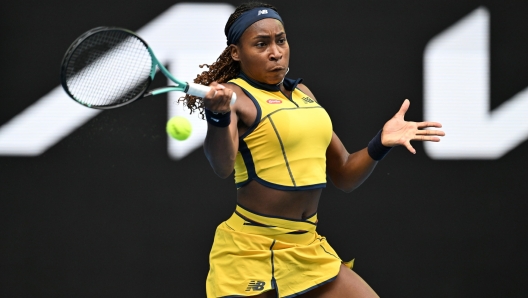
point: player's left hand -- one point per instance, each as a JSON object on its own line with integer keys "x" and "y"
{"x": 398, "y": 132}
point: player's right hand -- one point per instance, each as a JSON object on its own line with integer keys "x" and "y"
{"x": 218, "y": 99}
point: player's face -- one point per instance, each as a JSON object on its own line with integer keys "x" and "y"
{"x": 263, "y": 51}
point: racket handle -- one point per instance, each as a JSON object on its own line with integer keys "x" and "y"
{"x": 201, "y": 91}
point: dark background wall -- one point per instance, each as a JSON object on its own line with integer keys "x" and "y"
{"x": 106, "y": 213}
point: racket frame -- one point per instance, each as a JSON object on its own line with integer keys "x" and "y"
{"x": 190, "y": 88}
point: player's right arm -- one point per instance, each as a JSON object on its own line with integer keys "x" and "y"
{"x": 221, "y": 143}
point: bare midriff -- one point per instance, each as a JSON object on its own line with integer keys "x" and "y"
{"x": 299, "y": 204}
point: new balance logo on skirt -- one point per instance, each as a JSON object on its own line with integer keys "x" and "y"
{"x": 255, "y": 285}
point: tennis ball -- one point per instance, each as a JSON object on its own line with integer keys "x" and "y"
{"x": 179, "y": 128}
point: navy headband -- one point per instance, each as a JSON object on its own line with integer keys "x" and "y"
{"x": 247, "y": 19}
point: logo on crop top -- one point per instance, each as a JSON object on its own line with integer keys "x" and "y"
{"x": 306, "y": 99}
{"x": 274, "y": 101}
{"x": 256, "y": 285}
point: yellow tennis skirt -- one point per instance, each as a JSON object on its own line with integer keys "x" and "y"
{"x": 253, "y": 253}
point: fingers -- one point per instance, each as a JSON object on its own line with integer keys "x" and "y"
{"x": 426, "y": 138}
{"x": 430, "y": 135}
{"x": 428, "y": 124}
{"x": 218, "y": 99}
{"x": 403, "y": 109}
{"x": 410, "y": 147}
{"x": 429, "y": 132}
{"x": 211, "y": 92}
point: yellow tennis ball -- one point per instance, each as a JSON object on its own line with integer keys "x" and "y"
{"x": 179, "y": 128}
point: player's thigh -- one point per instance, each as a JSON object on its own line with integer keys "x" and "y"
{"x": 347, "y": 284}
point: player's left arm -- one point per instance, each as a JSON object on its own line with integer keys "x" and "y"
{"x": 348, "y": 171}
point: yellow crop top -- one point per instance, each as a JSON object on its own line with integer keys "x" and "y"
{"x": 286, "y": 146}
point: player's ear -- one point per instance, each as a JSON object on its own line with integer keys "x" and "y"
{"x": 234, "y": 52}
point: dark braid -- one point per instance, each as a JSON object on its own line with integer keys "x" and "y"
{"x": 225, "y": 68}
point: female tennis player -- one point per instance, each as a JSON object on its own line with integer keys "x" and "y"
{"x": 280, "y": 143}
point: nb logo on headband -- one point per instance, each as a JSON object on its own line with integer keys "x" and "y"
{"x": 264, "y": 11}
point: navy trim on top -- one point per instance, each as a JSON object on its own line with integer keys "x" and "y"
{"x": 259, "y": 113}
{"x": 283, "y": 152}
{"x": 288, "y": 83}
{"x": 248, "y": 161}
{"x": 278, "y": 186}
{"x": 243, "y": 183}
{"x": 290, "y": 188}
{"x": 283, "y": 109}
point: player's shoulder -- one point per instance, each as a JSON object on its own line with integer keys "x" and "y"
{"x": 242, "y": 98}
{"x": 237, "y": 89}
{"x": 306, "y": 90}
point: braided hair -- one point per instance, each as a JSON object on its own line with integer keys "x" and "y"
{"x": 225, "y": 68}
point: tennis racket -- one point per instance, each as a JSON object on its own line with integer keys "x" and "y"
{"x": 109, "y": 67}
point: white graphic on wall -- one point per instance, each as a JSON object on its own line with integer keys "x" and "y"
{"x": 457, "y": 94}
{"x": 456, "y": 89}
{"x": 178, "y": 37}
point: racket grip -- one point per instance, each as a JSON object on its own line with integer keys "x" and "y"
{"x": 201, "y": 91}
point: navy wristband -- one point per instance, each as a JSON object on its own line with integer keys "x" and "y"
{"x": 376, "y": 149}
{"x": 219, "y": 120}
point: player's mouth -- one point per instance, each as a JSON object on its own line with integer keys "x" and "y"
{"x": 277, "y": 68}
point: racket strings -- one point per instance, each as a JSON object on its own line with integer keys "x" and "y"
{"x": 109, "y": 68}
